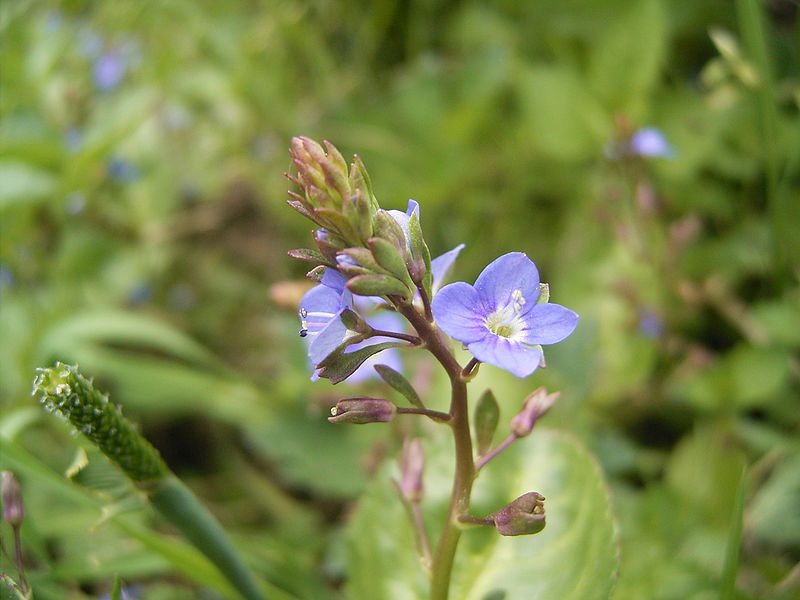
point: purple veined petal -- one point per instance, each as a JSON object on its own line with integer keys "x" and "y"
{"x": 503, "y": 277}
{"x": 440, "y": 266}
{"x": 548, "y": 324}
{"x": 515, "y": 357}
{"x": 318, "y": 306}
{"x": 327, "y": 340}
{"x": 458, "y": 312}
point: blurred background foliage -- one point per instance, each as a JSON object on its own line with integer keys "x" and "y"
{"x": 144, "y": 236}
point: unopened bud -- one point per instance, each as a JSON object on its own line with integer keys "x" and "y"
{"x": 412, "y": 464}
{"x": 524, "y": 516}
{"x": 535, "y": 406}
{"x": 362, "y": 410}
{"x": 13, "y": 509}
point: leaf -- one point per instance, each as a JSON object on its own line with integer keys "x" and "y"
{"x": 339, "y": 365}
{"x": 389, "y": 258}
{"x": 574, "y": 558}
{"x": 400, "y": 383}
{"x": 487, "y": 414}
{"x": 377, "y": 285}
{"x": 625, "y": 65}
{"x": 308, "y": 254}
{"x": 23, "y": 183}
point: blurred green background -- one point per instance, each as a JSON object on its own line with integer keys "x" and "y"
{"x": 144, "y": 236}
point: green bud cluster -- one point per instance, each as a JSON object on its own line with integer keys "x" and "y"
{"x": 65, "y": 392}
{"x": 355, "y": 236}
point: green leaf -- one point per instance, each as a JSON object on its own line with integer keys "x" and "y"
{"x": 116, "y": 589}
{"x": 308, "y": 254}
{"x": 400, "y": 383}
{"x": 389, "y": 258}
{"x": 487, "y": 414}
{"x": 339, "y": 365}
{"x": 574, "y": 558}
{"x": 625, "y": 65}
{"x": 377, "y": 285}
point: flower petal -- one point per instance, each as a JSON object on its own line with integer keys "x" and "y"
{"x": 326, "y": 341}
{"x": 333, "y": 279}
{"x": 548, "y": 324}
{"x": 318, "y": 306}
{"x": 440, "y": 266}
{"x": 457, "y": 311}
{"x": 503, "y": 276}
{"x": 515, "y": 357}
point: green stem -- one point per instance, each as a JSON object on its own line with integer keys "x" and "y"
{"x": 180, "y": 506}
{"x": 465, "y": 467}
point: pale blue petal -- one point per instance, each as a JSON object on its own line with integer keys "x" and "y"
{"x": 505, "y": 275}
{"x": 515, "y": 357}
{"x": 440, "y": 266}
{"x": 333, "y": 279}
{"x": 320, "y": 304}
{"x": 326, "y": 341}
{"x": 457, "y": 311}
{"x": 548, "y": 324}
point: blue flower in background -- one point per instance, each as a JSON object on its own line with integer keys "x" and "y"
{"x": 109, "y": 70}
{"x": 121, "y": 170}
{"x": 498, "y": 318}
{"x": 650, "y": 142}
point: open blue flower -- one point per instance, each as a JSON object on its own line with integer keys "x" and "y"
{"x": 498, "y": 318}
{"x": 320, "y": 316}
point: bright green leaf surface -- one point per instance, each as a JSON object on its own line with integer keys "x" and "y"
{"x": 574, "y": 558}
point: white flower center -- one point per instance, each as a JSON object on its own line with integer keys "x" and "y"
{"x": 507, "y": 321}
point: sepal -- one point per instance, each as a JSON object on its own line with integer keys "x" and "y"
{"x": 523, "y": 516}
{"x": 362, "y": 410}
{"x": 487, "y": 415}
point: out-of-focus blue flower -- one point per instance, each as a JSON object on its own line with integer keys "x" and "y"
{"x": 140, "y": 293}
{"x": 73, "y": 139}
{"x": 6, "y": 277}
{"x": 498, "y": 318}
{"x": 109, "y": 70}
{"x": 651, "y": 324}
{"x": 651, "y": 142}
{"x": 121, "y": 170}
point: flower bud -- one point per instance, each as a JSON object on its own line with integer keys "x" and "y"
{"x": 412, "y": 464}
{"x": 524, "y": 516}
{"x": 362, "y": 410}
{"x": 13, "y": 509}
{"x": 535, "y": 406}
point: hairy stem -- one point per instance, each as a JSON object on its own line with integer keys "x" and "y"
{"x": 465, "y": 467}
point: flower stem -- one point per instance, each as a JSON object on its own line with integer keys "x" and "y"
{"x": 400, "y": 336}
{"x": 481, "y": 462}
{"x": 436, "y": 415}
{"x": 465, "y": 467}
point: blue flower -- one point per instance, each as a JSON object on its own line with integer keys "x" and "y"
{"x": 109, "y": 70}
{"x": 649, "y": 141}
{"x": 498, "y": 318}
{"x": 320, "y": 316}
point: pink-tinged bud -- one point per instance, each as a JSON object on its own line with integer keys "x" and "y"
{"x": 412, "y": 465}
{"x": 524, "y": 516}
{"x": 13, "y": 509}
{"x": 535, "y": 406}
{"x": 362, "y": 410}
